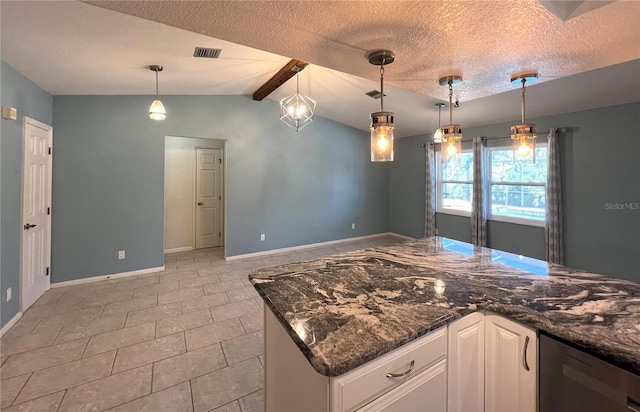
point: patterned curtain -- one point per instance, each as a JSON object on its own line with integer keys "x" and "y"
{"x": 478, "y": 209}
{"x": 553, "y": 210}
{"x": 430, "y": 192}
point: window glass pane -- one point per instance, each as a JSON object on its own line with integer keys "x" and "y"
{"x": 457, "y": 196}
{"x": 505, "y": 167}
{"x": 459, "y": 168}
{"x": 523, "y": 201}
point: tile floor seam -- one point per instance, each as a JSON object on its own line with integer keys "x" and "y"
{"x": 193, "y": 406}
{"x": 22, "y": 388}
{"x": 61, "y": 400}
{"x": 113, "y": 364}
{"x": 70, "y": 387}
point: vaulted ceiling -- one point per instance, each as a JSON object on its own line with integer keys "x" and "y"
{"x": 587, "y": 53}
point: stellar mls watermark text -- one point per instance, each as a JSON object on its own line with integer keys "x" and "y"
{"x": 622, "y": 206}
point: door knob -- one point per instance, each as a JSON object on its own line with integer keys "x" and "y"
{"x": 200, "y": 203}
{"x": 28, "y": 226}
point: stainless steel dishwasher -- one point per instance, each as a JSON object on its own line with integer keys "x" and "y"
{"x": 572, "y": 380}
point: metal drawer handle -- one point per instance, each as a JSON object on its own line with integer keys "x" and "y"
{"x": 399, "y": 375}
{"x": 524, "y": 354}
{"x": 633, "y": 405}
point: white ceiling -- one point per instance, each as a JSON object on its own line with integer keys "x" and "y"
{"x": 588, "y": 57}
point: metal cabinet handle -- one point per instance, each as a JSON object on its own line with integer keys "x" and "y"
{"x": 28, "y": 226}
{"x": 633, "y": 405}
{"x": 399, "y": 375}
{"x": 524, "y": 354}
{"x": 200, "y": 203}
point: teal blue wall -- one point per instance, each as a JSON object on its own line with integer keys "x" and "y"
{"x": 600, "y": 158}
{"x": 297, "y": 188}
{"x": 31, "y": 101}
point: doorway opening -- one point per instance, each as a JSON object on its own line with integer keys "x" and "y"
{"x": 194, "y": 193}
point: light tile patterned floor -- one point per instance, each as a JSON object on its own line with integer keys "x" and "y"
{"x": 189, "y": 338}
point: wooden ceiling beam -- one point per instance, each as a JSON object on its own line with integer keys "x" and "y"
{"x": 279, "y": 79}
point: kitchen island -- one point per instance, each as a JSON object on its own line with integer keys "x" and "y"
{"x": 346, "y": 310}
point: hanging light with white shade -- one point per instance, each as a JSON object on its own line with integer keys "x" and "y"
{"x": 157, "y": 111}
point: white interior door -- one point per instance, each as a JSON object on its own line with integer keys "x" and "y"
{"x": 208, "y": 197}
{"x": 36, "y": 211}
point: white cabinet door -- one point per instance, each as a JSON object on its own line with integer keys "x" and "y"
{"x": 466, "y": 364}
{"x": 511, "y": 365}
{"x": 424, "y": 393}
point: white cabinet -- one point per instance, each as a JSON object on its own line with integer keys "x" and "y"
{"x": 482, "y": 362}
{"x": 425, "y": 392}
{"x": 465, "y": 360}
{"x": 492, "y": 364}
{"x": 410, "y": 378}
{"x": 511, "y": 364}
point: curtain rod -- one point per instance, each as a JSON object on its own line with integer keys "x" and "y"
{"x": 559, "y": 129}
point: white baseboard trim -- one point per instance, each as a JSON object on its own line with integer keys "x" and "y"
{"x": 106, "y": 277}
{"x": 178, "y": 249}
{"x": 9, "y": 324}
{"x": 312, "y": 245}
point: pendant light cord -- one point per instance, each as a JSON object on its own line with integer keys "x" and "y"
{"x": 450, "y": 101}
{"x": 157, "y": 94}
{"x": 523, "y": 82}
{"x": 382, "y": 85}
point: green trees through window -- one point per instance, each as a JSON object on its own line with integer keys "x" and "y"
{"x": 515, "y": 187}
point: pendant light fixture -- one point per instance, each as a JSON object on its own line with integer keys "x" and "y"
{"x": 382, "y": 122}
{"x": 524, "y": 135}
{"x": 297, "y": 110}
{"x": 156, "y": 111}
{"x": 451, "y": 141}
{"x": 437, "y": 136}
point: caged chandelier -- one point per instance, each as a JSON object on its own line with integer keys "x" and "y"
{"x": 524, "y": 134}
{"x": 297, "y": 110}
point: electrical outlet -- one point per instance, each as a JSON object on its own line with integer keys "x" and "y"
{"x": 353, "y": 226}
{"x": 121, "y": 254}
{"x": 8, "y": 294}
{"x": 436, "y": 231}
{"x": 262, "y": 237}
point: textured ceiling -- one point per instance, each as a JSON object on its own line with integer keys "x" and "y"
{"x": 589, "y": 59}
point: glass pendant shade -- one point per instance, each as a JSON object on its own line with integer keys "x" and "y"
{"x": 524, "y": 135}
{"x": 297, "y": 110}
{"x": 524, "y": 140}
{"x": 437, "y": 136}
{"x": 156, "y": 111}
{"x": 382, "y": 137}
{"x": 451, "y": 140}
{"x": 451, "y": 143}
{"x": 381, "y": 122}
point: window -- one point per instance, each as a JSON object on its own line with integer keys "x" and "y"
{"x": 455, "y": 184}
{"x": 517, "y": 188}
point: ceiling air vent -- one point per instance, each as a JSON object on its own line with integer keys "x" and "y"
{"x": 207, "y": 53}
{"x": 375, "y": 94}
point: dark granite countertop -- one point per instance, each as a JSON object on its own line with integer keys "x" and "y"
{"x": 345, "y": 310}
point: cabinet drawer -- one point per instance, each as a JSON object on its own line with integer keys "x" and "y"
{"x": 367, "y": 382}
